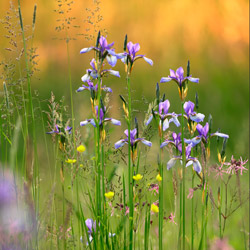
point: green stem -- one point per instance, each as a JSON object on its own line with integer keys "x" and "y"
{"x": 130, "y": 169}
{"x": 192, "y": 217}
{"x": 183, "y": 174}
{"x": 161, "y": 191}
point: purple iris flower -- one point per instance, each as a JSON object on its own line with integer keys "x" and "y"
{"x": 189, "y": 160}
{"x": 178, "y": 77}
{"x": 204, "y": 135}
{"x": 131, "y": 56}
{"x": 102, "y": 119}
{"x": 93, "y": 87}
{"x": 181, "y": 81}
{"x": 133, "y": 140}
{"x": 105, "y": 51}
{"x": 176, "y": 141}
{"x": 91, "y": 225}
{"x": 163, "y": 115}
{"x": 190, "y": 114}
{"x": 94, "y": 72}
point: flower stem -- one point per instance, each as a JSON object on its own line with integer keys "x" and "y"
{"x": 130, "y": 169}
{"x": 161, "y": 191}
{"x": 183, "y": 174}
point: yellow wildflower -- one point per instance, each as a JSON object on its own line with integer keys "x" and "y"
{"x": 154, "y": 208}
{"x": 159, "y": 178}
{"x": 71, "y": 161}
{"x": 137, "y": 177}
{"x": 109, "y": 195}
{"x": 81, "y": 149}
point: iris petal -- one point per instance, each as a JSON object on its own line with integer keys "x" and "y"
{"x": 149, "y": 61}
{"x": 171, "y": 163}
{"x": 165, "y": 79}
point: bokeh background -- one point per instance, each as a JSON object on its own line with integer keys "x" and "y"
{"x": 213, "y": 35}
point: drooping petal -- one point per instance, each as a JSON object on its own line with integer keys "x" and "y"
{"x": 114, "y": 73}
{"x": 220, "y": 135}
{"x": 82, "y": 88}
{"x": 85, "y": 78}
{"x": 85, "y": 50}
{"x": 112, "y": 60}
{"x": 107, "y": 89}
{"x": 175, "y": 120}
{"x": 149, "y": 120}
{"x": 115, "y": 122}
{"x": 91, "y": 121}
{"x": 192, "y": 79}
{"x": 189, "y": 163}
{"x": 171, "y": 163}
{"x": 197, "y": 117}
{"x": 120, "y": 143}
{"x": 194, "y": 141}
{"x": 165, "y": 79}
{"x": 149, "y": 61}
{"x": 165, "y": 143}
{"x": 165, "y": 124}
{"x": 147, "y": 143}
{"x": 197, "y": 166}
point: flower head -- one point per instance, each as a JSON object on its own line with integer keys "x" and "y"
{"x": 133, "y": 140}
{"x": 178, "y": 77}
{"x": 93, "y": 72}
{"x": 102, "y": 119}
{"x": 104, "y": 51}
{"x": 164, "y": 115}
{"x": 81, "y": 149}
{"x": 131, "y": 56}
{"x": 189, "y": 160}
{"x": 154, "y": 208}
{"x": 71, "y": 161}
{"x": 159, "y": 178}
{"x": 137, "y": 177}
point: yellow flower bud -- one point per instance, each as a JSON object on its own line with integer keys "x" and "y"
{"x": 137, "y": 177}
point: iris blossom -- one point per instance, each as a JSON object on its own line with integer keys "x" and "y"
{"x": 133, "y": 140}
{"x": 94, "y": 72}
{"x": 58, "y": 130}
{"x": 130, "y": 56}
{"x": 192, "y": 117}
{"x": 102, "y": 119}
{"x": 178, "y": 77}
{"x": 204, "y": 135}
{"x": 163, "y": 115}
{"x": 91, "y": 226}
{"x": 92, "y": 87}
{"x": 176, "y": 141}
{"x": 189, "y": 160}
{"x": 104, "y": 50}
